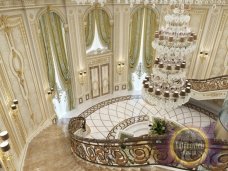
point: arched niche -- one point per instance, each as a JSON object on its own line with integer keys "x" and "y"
{"x": 107, "y": 17}
{"x": 54, "y": 46}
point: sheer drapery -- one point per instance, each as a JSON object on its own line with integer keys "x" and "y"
{"x": 59, "y": 48}
{"x": 56, "y": 51}
{"x": 103, "y": 27}
{"x": 136, "y": 29}
{"x": 46, "y": 42}
{"x": 135, "y": 38}
{"x": 150, "y": 27}
{"x": 141, "y": 54}
{"x": 90, "y": 29}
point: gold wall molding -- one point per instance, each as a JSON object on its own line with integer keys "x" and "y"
{"x": 218, "y": 61}
{"x": 39, "y": 62}
{"x": 121, "y": 40}
{"x": 7, "y": 97}
{"x": 220, "y": 94}
{"x": 207, "y": 42}
{"x": 197, "y": 24}
{"x": 16, "y": 61}
{"x": 99, "y": 59}
{"x": 19, "y": 125}
{"x": 15, "y": 141}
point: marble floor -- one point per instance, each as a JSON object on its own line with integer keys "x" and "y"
{"x": 50, "y": 151}
{"x": 104, "y": 119}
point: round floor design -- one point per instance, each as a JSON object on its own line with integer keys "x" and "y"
{"x": 101, "y": 118}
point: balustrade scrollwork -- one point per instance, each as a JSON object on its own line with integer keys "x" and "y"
{"x": 138, "y": 151}
{"x": 211, "y": 84}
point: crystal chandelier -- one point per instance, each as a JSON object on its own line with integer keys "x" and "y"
{"x": 167, "y": 87}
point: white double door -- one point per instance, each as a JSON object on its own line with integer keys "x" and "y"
{"x": 100, "y": 80}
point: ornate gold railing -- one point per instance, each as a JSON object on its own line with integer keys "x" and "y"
{"x": 140, "y": 151}
{"x": 211, "y": 84}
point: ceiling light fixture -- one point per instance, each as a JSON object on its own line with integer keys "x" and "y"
{"x": 167, "y": 87}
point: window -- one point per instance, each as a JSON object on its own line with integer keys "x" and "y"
{"x": 96, "y": 45}
{"x": 139, "y": 74}
{"x": 97, "y": 31}
{"x": 56, "y": 62}
{"x": 141, "y": 53}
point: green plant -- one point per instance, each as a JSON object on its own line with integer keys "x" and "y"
{"x": 158, "y": 126}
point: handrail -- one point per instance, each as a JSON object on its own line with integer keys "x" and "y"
{"x": 139, "y": 151}
{"x": 210, "y": 84}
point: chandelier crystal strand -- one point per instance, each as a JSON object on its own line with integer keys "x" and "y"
{"x": 167, "y": 87}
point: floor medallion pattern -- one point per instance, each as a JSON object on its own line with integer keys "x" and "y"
{"x": 102, "y": 117}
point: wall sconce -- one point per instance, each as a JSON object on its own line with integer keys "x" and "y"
{"x": 203, "y": 55}
{"x": 15, "y": 101}
{"x": 13, "y": 107}
{"x": 82, "y": 77}
{"x": 17, "y": 120}
{"x": 49, "y": 92}
{"x": 120, "y": 67}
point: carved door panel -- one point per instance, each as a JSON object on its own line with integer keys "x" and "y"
{"x": 99, "y": 78}
{"x": 95, "y": 81}
{"x": 105, "y": 79}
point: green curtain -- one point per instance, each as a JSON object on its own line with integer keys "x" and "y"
{"x": 61, "y": 55}
{"x": 103, "y": 27}
{"x": 149, "y": 31}
{"x": 54, "y": 32}
{"x": 90, "y": 29}
{"x": 59, "y": 47}
{"x": 135, "y": 38}
{"x": 45, "y": 42}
